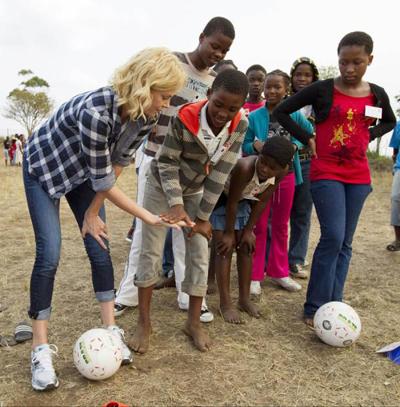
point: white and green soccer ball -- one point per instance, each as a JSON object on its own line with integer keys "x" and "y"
{"x": 337, "y": 324}
{"x": 97, "y": 354}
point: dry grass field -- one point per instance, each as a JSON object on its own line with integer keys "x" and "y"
{"x": 273, "y": 361}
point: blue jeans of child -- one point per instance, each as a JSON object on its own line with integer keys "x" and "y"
{"x": 168, "y": 255}
{"x": 300, "y": 218}
{"x": 338, "y": 206}
{"x": 44, "y": 212}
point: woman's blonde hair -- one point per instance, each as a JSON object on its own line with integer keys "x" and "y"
{"x": 154, "y": 69}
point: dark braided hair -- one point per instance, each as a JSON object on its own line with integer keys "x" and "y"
{"x": 284, "y": 75}
{"x": 219, "y": 24}
{"x": 357, "y": 38}
{"x": 280, "y": 149}
{"x": 232, "y": 81}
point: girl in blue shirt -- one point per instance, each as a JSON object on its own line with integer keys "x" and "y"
{"x": 262, "y": 125}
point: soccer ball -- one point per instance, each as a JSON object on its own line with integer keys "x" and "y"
{"x": 97, "y": 354}
{"x": 337, "y": 324}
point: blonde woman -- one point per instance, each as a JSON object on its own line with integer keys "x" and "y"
{"x": 78, "y": 153}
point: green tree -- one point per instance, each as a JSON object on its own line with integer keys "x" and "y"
{"x": 29, "y": 104}
{"x": 327, "y": 72}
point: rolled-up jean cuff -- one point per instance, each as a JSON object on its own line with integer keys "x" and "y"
{"x": 43, "y": 315}
{"x": 146, "y": 283}
{"x": 105, "y": 296}
{"x": 194, "y": 290}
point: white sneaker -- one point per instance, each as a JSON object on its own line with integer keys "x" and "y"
{"x": 287, "y": 283}
{"x": 43, "y": 375}
{"x": 183, "y": 301}
{"x": 126, "y": 353}
{"x": 206, "y": 315}
{"x": 255, "y": 288}
{"x": 119, "y": 309}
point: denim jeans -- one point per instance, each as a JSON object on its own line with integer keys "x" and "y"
{"x": 300, "y": 218}
{"x": 168, "y": 256}
{"x": 44, "y": 212}
{"x": 338, "y": 206}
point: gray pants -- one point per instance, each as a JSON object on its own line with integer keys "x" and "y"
{"x": 153, "y": 238}
{"x": 395, "y": 213}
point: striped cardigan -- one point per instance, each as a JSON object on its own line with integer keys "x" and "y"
{"x": 182, "y": 165}
{"x": 196, "y": 87}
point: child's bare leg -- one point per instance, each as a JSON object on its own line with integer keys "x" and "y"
{"x": 212, "y": 287}
{"x": 193, "y": 328}
{"x": 222, "y": 266}
{"x": 244, "y": 266}
{"x": 140, "y": 339}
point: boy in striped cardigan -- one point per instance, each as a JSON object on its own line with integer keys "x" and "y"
{"x": 184, "y": 183}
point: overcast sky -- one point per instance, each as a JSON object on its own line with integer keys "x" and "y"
{"x": 76, "y": 44}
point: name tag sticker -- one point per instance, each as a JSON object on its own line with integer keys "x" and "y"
{"x": 373, "y": 111}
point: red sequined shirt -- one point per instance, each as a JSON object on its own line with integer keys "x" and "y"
{"x": 342, "y": 141}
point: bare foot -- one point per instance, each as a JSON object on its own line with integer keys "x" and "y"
{"x": 200, "y": 338}
{"x": 139, "y": 342}
{"x": 212, "y": 287}
{"x": 229, "y": 314}
{"x": 249, "y": 307}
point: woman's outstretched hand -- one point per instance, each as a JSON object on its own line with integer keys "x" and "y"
{"x": 175, "y": 214}
{"x": 158, "y": 221}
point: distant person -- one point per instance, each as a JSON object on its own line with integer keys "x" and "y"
{"x": 12, "y": 150}
{"x": 22, "y": 140}
{"x": 263, "y": 125}
{"x": 395, "y": 215}
{"x": 78, "y": 153}
{"x": 214, "y": 43}
{"x": 256, "y": 75}
{"x": 349, "y": 113}
{"x": 185, "y": 181}
{"x": 6, "y": 148}
{"x": 303, "y": 73}
{"x": 17, "y": 159}
{"x": 250, "y": 185}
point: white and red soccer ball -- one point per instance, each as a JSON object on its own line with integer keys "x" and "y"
{"x": 97, "y": 354}
{"x": 337, "y": 324}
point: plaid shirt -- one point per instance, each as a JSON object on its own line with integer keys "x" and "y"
{"x": 81, "y": 141}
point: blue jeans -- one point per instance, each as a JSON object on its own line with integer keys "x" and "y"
{"x": 338, "y": 206}
{"x": 44, "y": 212}
{"x": 168, "y": 255}
{"x": 300, "y": 218}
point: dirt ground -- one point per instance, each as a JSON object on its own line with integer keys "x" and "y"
{"x": 273, "y": 361}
